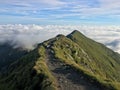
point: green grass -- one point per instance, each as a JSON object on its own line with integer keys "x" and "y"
{"x": 97, "y": 63}
{"x": 49, "y": 82}
{"x": 105, "y": 58}
{"x": 90, "y": 58}
{"x": 29, "y": 73}
{"x": 20, "y": 71}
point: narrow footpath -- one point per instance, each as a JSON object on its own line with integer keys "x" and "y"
{"x": 67, "y": 78}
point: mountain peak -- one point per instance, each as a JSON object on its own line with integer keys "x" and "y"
{"x": 75, "y": 31}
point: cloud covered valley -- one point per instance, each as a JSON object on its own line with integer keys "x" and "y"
{"x": 28, "y": 36}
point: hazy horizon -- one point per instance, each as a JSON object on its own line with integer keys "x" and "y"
{"x": 27, "y": 36}
{"x": 26, "y": 23}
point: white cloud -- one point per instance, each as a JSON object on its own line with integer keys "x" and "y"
{"x": 53, "y": 2}
{"x": 27, "y": 36}
{"x": 55, "y": 9}
{"x": 34, "y": 3}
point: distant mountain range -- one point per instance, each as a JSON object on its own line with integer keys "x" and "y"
{"x": 72, "y": 62}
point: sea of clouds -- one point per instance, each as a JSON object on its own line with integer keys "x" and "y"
{"x": 28, "y": 36}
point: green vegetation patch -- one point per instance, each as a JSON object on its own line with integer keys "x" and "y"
{"x": 49, "y": 82}
{"x": 87, "y": 57}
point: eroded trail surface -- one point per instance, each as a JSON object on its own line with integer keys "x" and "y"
{"x": 67, "y": 78}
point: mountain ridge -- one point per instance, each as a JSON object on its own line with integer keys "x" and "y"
{"x": 74, "y": 53}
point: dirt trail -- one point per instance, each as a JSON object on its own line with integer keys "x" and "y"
{"x": 67, "y": 78}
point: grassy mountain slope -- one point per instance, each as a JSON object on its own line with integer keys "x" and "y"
{"x": 8, "y": 54}
{"x": 99, "y": 65}
{"x": 106, "y": 63}
{"x": 104, "y": 58}
{"x": 28, "y": 73}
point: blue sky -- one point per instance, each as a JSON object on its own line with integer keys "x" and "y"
{"x": 103, "y": 12}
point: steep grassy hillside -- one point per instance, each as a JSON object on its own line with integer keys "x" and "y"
{"x": 97, "y": 65}
{"x": 28, "y": 73}
{"x": 103, "y": 57}
{"x": 93, "y": 59}
{"x": 8, "y": 54}
{"x": 104, "y": 61}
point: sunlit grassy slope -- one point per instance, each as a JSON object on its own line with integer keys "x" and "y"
{"x": 93, "y": 58}
{"x": 99, "y": 64}
{"x": 100, "y": 57}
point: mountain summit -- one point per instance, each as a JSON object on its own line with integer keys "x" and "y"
{"x": 72, "y": 62}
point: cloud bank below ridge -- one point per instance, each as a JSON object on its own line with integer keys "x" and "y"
{"x": 27, "y": 36}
